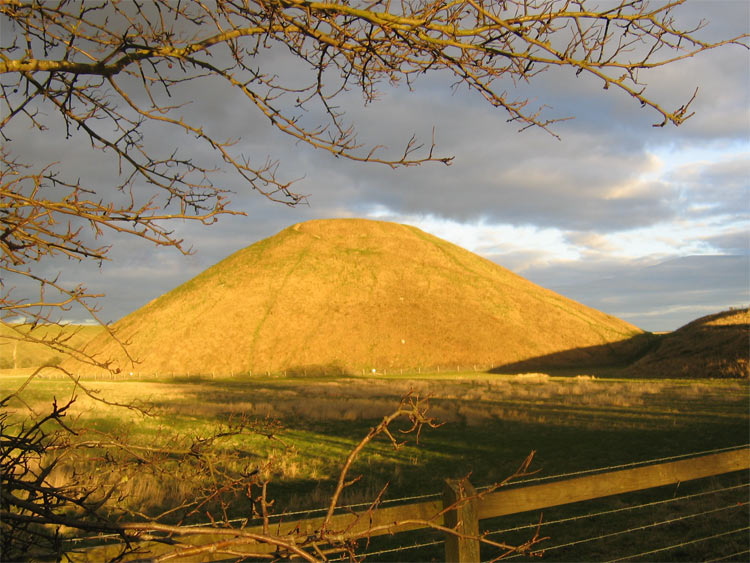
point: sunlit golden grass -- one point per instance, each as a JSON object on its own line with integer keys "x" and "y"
{"x": 713, "y": 346}
{"x": 18, "y": 354}
{"x": 491, "y": 423}
{"x": 315, "y": 412}
{"x": 324, "y": 297}
{"x": 372, "y": 398}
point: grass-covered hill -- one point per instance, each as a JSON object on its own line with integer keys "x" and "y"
{"x": 354, "y": 294}
{"x": 715, "y": 346}
{"x": 19, "y": 347}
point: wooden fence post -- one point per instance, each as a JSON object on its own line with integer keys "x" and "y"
{"x": 464, "y": 519}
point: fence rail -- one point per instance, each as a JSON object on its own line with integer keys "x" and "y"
{"x": 464, "y": 515}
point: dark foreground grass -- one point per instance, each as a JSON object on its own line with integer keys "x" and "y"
{"x": 701, "y": 520}
{"x": 491, "y": 424}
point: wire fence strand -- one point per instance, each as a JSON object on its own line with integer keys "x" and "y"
{"x": 681, "y": 544}
{"x": 616, "y": 510}
{"x": 730, "y": 556}
{"x": 393, "y": 550}
{"x": 427, "y": 496}
{"x": 351, "y": 507}
{"x": 635, "y": 529}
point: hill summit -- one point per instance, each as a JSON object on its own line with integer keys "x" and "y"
{"x": 353, "y": 295}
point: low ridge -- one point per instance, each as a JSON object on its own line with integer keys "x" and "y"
{"x": 715, "y": 346}
{"x": 353, "y": 295}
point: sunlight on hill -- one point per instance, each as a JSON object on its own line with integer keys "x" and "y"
{"x": 715, "y": 346}
{"x": 355, "y": 295}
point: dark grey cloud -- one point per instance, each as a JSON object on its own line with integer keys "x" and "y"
{"x": 657, "y": 297}
{"x": 531, "y": 178}
{"x": 583, "y": 182}
{"x": 732, "y": 242}
{"x": 597, "y": 180}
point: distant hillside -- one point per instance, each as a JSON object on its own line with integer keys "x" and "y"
{"x": 352, "y": 294}
{"x": 715, "y": 346}
{"x": 15, "y": 353}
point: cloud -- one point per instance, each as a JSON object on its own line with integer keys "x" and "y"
{"x": 591, "y": 242}
{"x": 731, "y": 242}
{"x": 720, "y": 187}
{"x": 614, "y": 194}
{"x": 600, "y": 177}
{"x": 655, "y": 297}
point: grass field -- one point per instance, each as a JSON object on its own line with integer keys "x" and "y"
{"x": 491, "y": 423}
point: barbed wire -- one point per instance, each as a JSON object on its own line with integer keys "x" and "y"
{"x": 619, "y": 466}
{"x": 358, "y": 505}
{"x": 438, "y": 495}
{"x": 393, "y": 550}
{"x": 282, "y": 515}
{"x": 557, "y": 476}
{"x": 725, "y": 557}
{"x": 638, "y": 529}
{"x": 682, "y": 544}
{"x": 615, "y": 510}
{"x": 405, "y": 499}
{"x": 441, "y": 541}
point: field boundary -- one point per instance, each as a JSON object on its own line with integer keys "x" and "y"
{"x": 456, "y": 509}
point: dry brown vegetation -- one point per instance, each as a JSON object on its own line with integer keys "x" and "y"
{"x": 306, "y": 453}
{"x": 351, "y": 295}
{"x": 715, "y": 346}
{"x": 116, "y": 85}
{"x": 492, "y": 421}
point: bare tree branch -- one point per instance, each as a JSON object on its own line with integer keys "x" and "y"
{"x": 111, "y": 72}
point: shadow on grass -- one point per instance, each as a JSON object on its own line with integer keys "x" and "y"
{"x": 491, "y": 426}
{"x": 610, "y": 359}
{"x": 715, "y": 346}
{"x": 492, "y": 452}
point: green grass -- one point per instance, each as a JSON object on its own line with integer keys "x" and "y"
{"x": 491, "y": 424}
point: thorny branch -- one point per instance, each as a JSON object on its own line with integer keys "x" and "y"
{"x": 96, "y": 467}
{"x": 31, "y": 502}
{"x": 411, "y": 407}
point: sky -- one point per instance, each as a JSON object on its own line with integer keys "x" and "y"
{"x": 644, "y": 223}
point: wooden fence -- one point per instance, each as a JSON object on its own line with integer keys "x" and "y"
{"x": 463, "y": 546}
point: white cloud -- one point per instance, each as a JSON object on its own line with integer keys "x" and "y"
{"x": 488, "y": 239}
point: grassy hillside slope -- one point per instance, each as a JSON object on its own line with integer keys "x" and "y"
{"x": 356, "y": 294}
{"x": 714, "y": 346}
{"x": 16, "y": 353}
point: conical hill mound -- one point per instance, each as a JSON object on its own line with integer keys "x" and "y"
{"x": 354, "y": 295}
{"x": 715, "y": 346}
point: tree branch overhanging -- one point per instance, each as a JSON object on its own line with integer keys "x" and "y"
{"x": 109, "y": 73}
